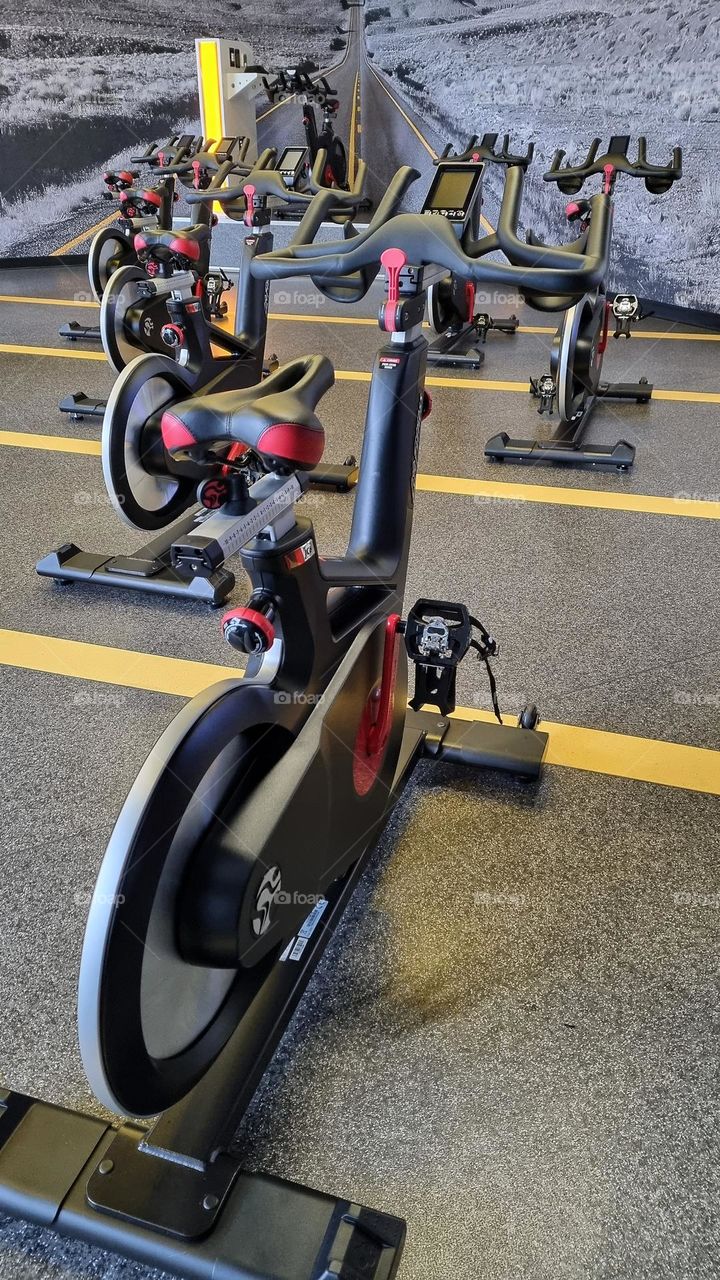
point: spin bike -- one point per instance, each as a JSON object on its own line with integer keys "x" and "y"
{"x": 139, "y": 206}
{"x": 574, "y": 382}
{"x": 451, "y": 302}
{"x": 297, "y": 82}
{"x": 266, "y": 794}
{"x": 134, "y": 310}
{"x": 150, "y": 490}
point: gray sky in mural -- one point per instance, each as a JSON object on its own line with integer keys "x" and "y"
{"x": 77, "y": 94}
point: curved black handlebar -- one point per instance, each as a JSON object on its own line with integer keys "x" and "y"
{"x": 269, "y": 182}
{"x": 206, "y": 159}
{"x": 429, "y": 240}
{"x": 658, "y": 178}
{"x": 215, "y": 188}
{"x": 484, "y": 150}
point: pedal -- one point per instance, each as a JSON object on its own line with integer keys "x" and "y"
{"x": 483, "y": 323}
{"x": 544, "y": 389}
{"x": 217, "y": 283}
{"x": 438, "y": 634}
{"x": 626, "y": 311}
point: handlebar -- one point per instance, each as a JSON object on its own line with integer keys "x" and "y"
{"x": 429, "y": 240}
{"x": 215, "y": 190}
{"x": 212, "y": 161}
{"x": 658, "y": 178}
{"x": 268, "y": 182}
{"x": 171, "y": 148}
{"x": 484, "y": 149}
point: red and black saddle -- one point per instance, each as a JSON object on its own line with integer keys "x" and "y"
{"x": 275, "y": 418}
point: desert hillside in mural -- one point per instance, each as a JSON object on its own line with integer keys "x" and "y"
{"x": 558, "y": 75}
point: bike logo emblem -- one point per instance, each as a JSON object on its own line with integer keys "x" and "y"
{"x": 266, "y": 894}
{"x": 148, "y": 326}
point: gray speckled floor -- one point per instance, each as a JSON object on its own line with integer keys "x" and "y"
{"x": 512, "y": 1041}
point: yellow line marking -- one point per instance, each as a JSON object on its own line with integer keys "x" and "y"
{"x": 362, "y": 375}
{"x": 55, "y": 444}
{"x": 85, "y": 235}
{"x": 554, "y": 495}
{"x": 431, "y": 150}
{"x": 618, "y": 755}
{"x": 353, "y": 129}
{"x": 125, "y": 667}
{"x": 459, "y": 486}
{"x": 46, "y": 302}
{"x": 64, "y": 353}
{"x": 648, "y": 334}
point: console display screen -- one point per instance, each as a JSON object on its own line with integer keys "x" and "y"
{"x": 453, "y": 189}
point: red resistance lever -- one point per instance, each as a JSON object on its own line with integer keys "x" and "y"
{"x": 249, "y": 192}
{"x": 609, "y": 181}
{"x": 196, "y": 167}
{"x": 393, "y": 260}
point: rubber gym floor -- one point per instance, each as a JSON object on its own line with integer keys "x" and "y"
{"x": 512, "y": 1042}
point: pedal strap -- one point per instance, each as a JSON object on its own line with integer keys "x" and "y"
{"x": 487, "y": 647}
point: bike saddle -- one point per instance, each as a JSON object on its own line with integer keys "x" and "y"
{"x": 276, "y": 418}
{"x": 134, "y": 197}
{"x": 187, "y": 242}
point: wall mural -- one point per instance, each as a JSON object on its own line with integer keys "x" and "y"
{"x": 86, "y": 94}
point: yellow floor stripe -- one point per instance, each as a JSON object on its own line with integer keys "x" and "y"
{"x": 618, "y": 755}
{"x": 85, "y": 235}
{"x": 621, "y": 755}
{"x": 647, "y": 334}
{"x": 125, "y": 667}
{"x": 460, "y": 486}
{"x": 363, "y": 375}
{"x": 46, "y": 302}
{"x": 64, "y": 353}
{"x": 55, "y": 444}
{"x": 601, "y": 500}
{"x": 655, "y": 335}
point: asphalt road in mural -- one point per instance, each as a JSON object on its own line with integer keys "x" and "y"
{"x": 373, "y": 119}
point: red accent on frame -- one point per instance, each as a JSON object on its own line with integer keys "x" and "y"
{"x": 376, "y": 722}
{"x": 427, "y": 405}
{"x": 469, "y": 299}
{"x": 602, "y": 345}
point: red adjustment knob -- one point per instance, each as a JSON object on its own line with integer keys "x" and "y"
{"x": 609, "y": 171}
{"x": 572, "y": 210}
{"x": 249, "y": 192}
{"x": 393, "y": 260}
{"x": 173, "y": 335}
{"x": 213, "y": 494}
{"x": 161, "y": 159}
{"x": 196, "y": 166}
{"x": 248, "y": 630}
